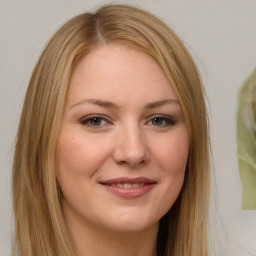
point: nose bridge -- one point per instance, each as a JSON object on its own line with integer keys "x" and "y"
{"x": 131, "y": 147}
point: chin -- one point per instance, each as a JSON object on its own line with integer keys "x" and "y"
{"x": 131, "y": 222}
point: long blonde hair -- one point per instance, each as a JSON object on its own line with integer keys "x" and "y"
{"x": 39, "y": 225}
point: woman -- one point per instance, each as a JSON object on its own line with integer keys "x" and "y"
{"x": 111, "y": 155}
{"x": 246, "y": 141}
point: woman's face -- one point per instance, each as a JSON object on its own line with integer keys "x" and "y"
{"x": 123, "y": 144}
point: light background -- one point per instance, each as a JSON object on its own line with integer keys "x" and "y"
{"x": 221, "y": 35}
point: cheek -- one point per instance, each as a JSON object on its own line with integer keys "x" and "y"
{"x": 78, "y": 155}
{"x": 78, "y": 158}
{"x": 172, "y": 154}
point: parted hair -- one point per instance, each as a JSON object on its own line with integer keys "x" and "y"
{"x": 40, "y": 228}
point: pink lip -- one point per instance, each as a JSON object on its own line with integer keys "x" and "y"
{"x": 145, "y": 186}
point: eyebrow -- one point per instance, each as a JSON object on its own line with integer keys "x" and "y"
{"x": 109, "y": 104}
{"x": 101, "y": 103}
{"x": 161, "y": 103}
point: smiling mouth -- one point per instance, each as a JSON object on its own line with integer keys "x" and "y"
{"x": 126, "y": 185}
{"x": 129, "y": 187}
{"x": 124, "y": 182}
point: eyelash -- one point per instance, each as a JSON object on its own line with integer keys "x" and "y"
{"x": 168, "y": 120}
{"x": 87, "y": 121}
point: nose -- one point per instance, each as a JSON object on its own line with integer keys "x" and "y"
{"x": 131, "y": 147}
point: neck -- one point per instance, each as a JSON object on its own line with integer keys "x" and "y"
{"x": 90, "y": 241}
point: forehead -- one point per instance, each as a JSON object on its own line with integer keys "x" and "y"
{"x": 119, "y": 71}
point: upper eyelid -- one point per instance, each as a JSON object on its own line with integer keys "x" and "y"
{"x": 93, "y": 116}
{"x": 105, "y": 117}
{"x": 89, "y": 117}
{"x": 108, "y": 120}
{"x": 161, "y": 116}
{"x": 169, "y": 119}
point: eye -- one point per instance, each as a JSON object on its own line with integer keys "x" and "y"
{"x": 162, "y": 121}
{"x": 94, "y": 121}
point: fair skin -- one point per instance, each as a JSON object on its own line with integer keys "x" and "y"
{"x": 121, "y": 152}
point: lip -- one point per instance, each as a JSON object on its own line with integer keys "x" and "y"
{"x": 129, "y": 188}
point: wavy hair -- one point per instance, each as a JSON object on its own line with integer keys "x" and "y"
{"x": 39, "y": 224}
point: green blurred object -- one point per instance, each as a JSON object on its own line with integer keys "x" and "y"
{"x": 246, "y": 141}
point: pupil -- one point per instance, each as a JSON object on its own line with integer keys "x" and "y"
{"x": 95, "y": 121}
{"x": 157, "y": 121}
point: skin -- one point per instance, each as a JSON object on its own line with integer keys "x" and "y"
{"x": 138, "y": 131}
